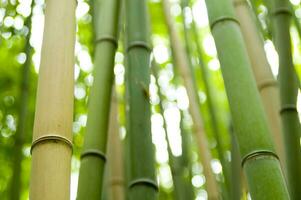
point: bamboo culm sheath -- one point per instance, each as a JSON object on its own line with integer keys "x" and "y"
{"x": 259, "y": 160}
{"x": 93, "y": 156}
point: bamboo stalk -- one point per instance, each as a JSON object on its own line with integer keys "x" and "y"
{"x": 259, "y": 160}
{"x": 212, "y": 109}
{"x": 186, "y": 162}
{"x": 142, "y": 181}
{"x": 265, "y": 81}
{"x": 52, "y": 147}
{"x": 182, "y": 62}
{"x": 93, "y": 157}
{"x": 236, "y": 183}
{"x": 178, "y": 165}
{"x": 288, "y": 84}
{"x": 15, "y": 184}
{"x": 115, "y": 158}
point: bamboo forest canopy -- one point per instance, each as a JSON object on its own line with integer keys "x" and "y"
{"x": 150, "y": 99}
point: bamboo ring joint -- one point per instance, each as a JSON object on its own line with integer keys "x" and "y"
{"x": 107, "y": 38}
{"x": 144, "y": 181}
{"x": 55, "y": 138}
{"x": 288, "y": 107}
{"x": 240, "y": 3}
{"x": 265, "y": 83}
{"x": 116, "y": 181}
{"x": 221, "y": 19}
{"x": 141, "y": 44}
{"x": 283, "y": 10}
{"x": 94, "y": 152}
{"x": 258, "y": 154}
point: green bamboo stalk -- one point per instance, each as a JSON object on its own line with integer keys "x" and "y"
{"x": 181, "y": 61}
{"x": 52, "y": 134}
{"x": 115, "y": 183}
{"x": 93, "y": 157}
{"x": 178, "y": 165}
{"x": 15, "y": 184}
{"x": 142, "y": 181}
{"x": 212, "y": 109}
{"x": 186, "y": 161}
{"x": 266, "y": 83}
{"x": 288, "y": 84}
{"x": 259, "y": 160}
{"x": 236, "y": 185}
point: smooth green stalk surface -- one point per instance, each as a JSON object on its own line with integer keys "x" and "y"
{"x": 236, "y": 183}
{"x": 142, "y": 181}
{"x": 264, "y": 176}
{"x": 106, "y": 16}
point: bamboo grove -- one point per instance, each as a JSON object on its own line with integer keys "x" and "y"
{"x": 150, "y": 99}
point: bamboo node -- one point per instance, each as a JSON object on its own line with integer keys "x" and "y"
{"x": 288, "y": 107}
{"x": 141, "y": 44}
{"x": 221, "y": 19}
{"x": 283, "y": 10}
{"x": 116, "y": 181}
{"x": 55, "y": 138}
{"x": 107, "y": 38}
{"x": 258, "y": 154}
{"x": 265, "y": 83}
{"x": 94, "y": 152}
{"x": 144, "y": 181}
{"x": 240, "y": 3}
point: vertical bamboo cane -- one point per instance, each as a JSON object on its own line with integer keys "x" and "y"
{"x": 52, "y": 147}
{"x": 142, "y": 182}
{"x": 115, "y": 158}
{"x": 93, "y": 157}
{"x": 288, "y": 84}
{"x": 15, "y": 185}
{"x": 236, "y": 183}
{"x": 178, "y": 165}
{"x": 266, "y": 83}
{"x": 212, "y": 110}
{"x": 181, "y": 61}
{"x": 259, "y": 160}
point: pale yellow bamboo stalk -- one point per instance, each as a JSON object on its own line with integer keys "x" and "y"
{"x": 181, "y": 61}
{"x": 266, "y": 83}
{"x": 115, "y": 159}
{"x": 52, "y": 135}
